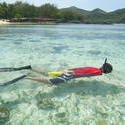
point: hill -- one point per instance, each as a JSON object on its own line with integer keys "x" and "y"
{"x": 24, "y": 12}
{"x": 77, "y": 10}
{"x": 99, "y": 16}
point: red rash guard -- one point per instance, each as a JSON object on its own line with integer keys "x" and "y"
{"x": 85, "y": 72}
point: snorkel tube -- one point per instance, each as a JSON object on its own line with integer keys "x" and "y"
{"x": 104, "y": 67}
{"x": 105, "y": 61}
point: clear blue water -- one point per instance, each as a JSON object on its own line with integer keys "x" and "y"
{"x": 95, "y": 100}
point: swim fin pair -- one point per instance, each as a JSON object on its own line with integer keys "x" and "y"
{"x": 14, "y": 69}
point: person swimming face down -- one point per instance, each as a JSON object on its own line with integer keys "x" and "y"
{"x": 106, "y": 68}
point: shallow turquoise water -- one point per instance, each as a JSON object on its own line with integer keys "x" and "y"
{"x": 58, "y": 47}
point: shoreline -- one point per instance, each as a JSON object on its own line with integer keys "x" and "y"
{"x": 42, "y": 23}
{"x": 7, "y": 22}
{"x": 3, "y": 21}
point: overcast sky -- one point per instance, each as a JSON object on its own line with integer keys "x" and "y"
{"x": 107, "y": 5}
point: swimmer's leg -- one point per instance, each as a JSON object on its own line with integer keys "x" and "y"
{"x": 38, "y": 79}
{"x": 40, "y": 71}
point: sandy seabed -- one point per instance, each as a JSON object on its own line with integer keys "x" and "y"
{"x": 86, "y": 101}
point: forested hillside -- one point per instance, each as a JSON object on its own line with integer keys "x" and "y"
{"x": 100, "y": 16}
{"x": 21, "y": 10}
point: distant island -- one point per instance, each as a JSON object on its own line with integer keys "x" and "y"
{"x": 24, "y": 13}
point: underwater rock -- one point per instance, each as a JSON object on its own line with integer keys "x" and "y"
{"x": 19, "y": 40}
{"x": 2, "y": 38}
{"x": 4, "y": 115}
{"x": 101, "y": 122}
{"x": 17, "y": 43}
{"x": 59, "y": 49}
{"x": 60, "y": 118}
{"x": 94, "y": 52}
{"x": 45, "y": 102}
{"x": 34, "y": 41}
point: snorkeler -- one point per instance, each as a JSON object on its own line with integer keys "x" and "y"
{"x": 66, "y": 75}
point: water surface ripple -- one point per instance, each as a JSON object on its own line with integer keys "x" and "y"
{"x": 85, "y": 101}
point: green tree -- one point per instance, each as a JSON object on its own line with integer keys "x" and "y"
{"x": 27, "y": 10}
{"x": 4, "y": 10}
{"x": 18, "y": 9}
{"x": 1, "y": 12}
{"x": 67, "y": 15}
{"x": 49, "y": 11}
{"x": 18, "y": 16}
{"x": 122, "y": 19}
{"x": 79, "y": 17}
{"x": 11, "y": 11}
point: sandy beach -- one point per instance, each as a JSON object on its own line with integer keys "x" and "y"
{"x": 4, "y": 22}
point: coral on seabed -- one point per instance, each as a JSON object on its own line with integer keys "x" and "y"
{"x": 4, "y": 115}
